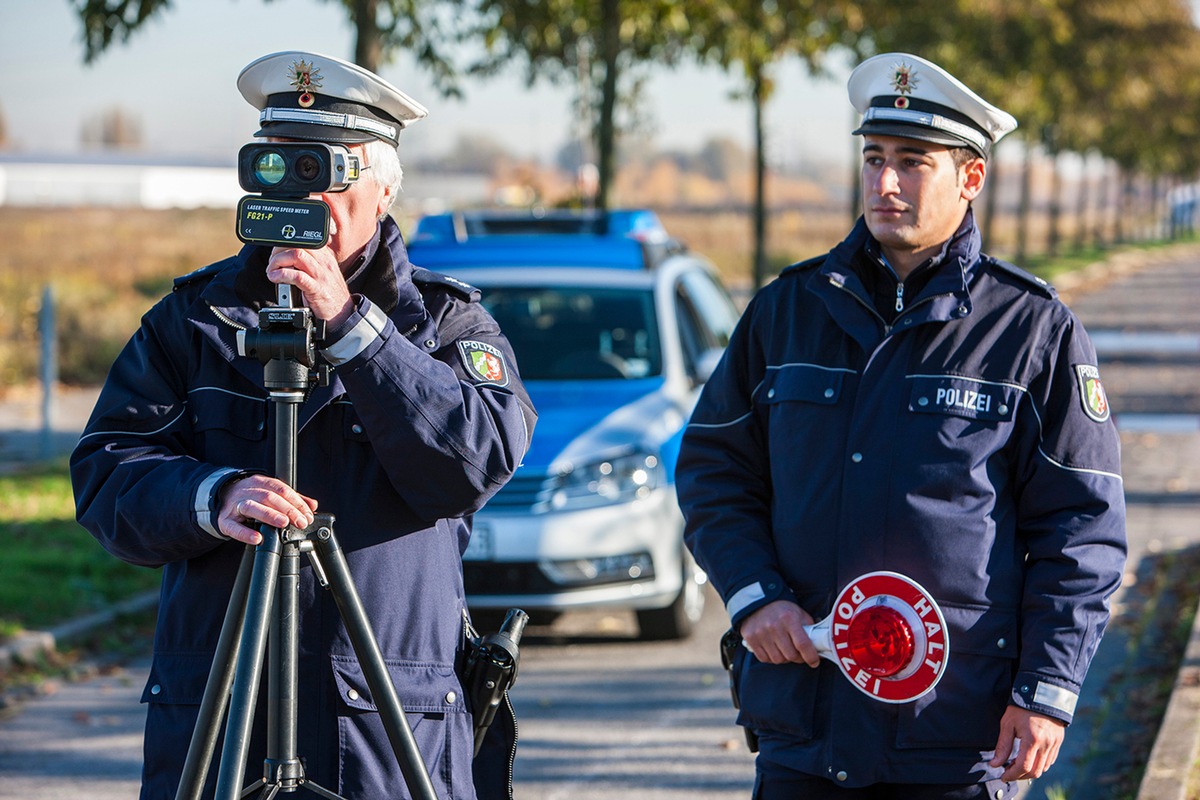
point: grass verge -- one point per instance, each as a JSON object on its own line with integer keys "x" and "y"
{"x": 1155, "y": 627}
{"x": 52, "y": 569}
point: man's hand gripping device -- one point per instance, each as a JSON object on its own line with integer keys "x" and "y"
{"x": 886, "y": 634}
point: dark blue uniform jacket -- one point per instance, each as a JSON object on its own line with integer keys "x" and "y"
{"x": 413, "y": 434}
{"x": 966, "y": 444}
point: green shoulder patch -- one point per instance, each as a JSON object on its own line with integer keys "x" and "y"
{"x": 1091, "y": 392}
{"x": 484, "y": 362}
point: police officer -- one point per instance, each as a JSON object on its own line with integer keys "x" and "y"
{"x": 424, "y": 418}
{"x": 909, "y": 403}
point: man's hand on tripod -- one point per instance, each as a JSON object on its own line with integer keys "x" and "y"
{"x": 318, "y": 276}
{"x": 259, "y": 498}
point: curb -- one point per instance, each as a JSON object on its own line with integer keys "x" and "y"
{"x": 29, "y": 645}
{"x": 1178, "y": 739}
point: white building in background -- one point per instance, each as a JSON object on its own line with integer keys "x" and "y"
{"x": 139, "y": 181}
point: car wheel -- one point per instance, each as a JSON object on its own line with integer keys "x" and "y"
{"x": 678, "y": 620}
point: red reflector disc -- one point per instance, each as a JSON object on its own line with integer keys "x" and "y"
{"x": 881, "y": 640}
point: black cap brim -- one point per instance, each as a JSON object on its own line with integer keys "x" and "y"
{"x": 918, "y": 132}
{"x": 315, "y": 133}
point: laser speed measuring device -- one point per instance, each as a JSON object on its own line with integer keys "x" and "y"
{"x": 284, "y": 175}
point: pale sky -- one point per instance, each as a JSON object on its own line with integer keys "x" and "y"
{"x": 176, "y": 76}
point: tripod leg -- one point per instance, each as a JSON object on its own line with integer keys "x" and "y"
{"x": 249, "y": 666}
{"x": 283, "y": 765}
{"x": 379, "y": 680}
{"x": 216, "y": 691}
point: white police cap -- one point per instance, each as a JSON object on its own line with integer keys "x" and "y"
{"x": 900, "y": 94}
{"x": 311, "y": 96}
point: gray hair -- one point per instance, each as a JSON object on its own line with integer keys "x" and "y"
{"x": 384, "y": 160}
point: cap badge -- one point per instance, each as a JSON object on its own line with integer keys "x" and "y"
{"x": 306, "y": 78}
{"x": 904, "y": 81}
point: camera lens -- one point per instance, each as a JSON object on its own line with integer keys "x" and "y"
{"x": 308, "y": 167}
{"x": 269, "y": 168}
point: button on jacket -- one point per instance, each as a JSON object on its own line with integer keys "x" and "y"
{"x": 407, "y": 440}
{"x": 963, "y": 443}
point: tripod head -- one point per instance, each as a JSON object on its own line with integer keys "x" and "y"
{"x": 285, "y": 344}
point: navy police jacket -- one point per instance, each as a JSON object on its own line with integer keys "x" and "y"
{"x": 425, "y": 418}
{"x": 967, "y": 444}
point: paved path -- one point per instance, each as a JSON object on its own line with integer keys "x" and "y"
{"x": 83, "y": 740}
{"x": 1143, "y": 321}
{"x": 32, "y": 429}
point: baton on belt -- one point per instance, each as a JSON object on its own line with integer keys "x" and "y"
{"x": 491, "y": 668}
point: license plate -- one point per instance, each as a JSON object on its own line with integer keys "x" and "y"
{"x": 482, "y": 546}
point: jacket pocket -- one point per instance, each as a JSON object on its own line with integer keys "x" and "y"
{"x": 224, "y": 422}
{"x": 353, "y": 429}
{"x": 806, "y": 383}
{"x": 964, "y": 709}
{"x": 777, "y": 697}
{"x": 431, "y": 697}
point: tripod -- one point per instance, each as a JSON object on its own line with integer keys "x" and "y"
{"x": 264, "y": 603}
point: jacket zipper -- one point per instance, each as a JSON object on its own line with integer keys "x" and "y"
{"x": 887, "y": 329}
{"x": 512, "y": 753}
{"x": 232, "y": 323}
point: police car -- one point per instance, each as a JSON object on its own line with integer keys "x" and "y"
{"x": 615, "y": 327}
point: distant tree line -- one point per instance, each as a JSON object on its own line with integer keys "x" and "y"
{"x": 1113, "y": 81}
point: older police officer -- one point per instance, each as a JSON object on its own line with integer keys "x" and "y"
{"x": 413, "y": 433}
{"x": 908, "y": 403}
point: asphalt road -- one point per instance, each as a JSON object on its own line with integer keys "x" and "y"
{"x": 605, "y": 716}
{"x": 601, "y": 715}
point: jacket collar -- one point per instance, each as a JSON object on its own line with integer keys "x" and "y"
{"x": 962, "y": 249}
{"x": 945, "y": 297}
{"x": 956, "y": 263}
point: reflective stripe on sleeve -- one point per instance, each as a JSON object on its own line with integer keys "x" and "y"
{"x": 1048, "y": 694}
{"x": 203, "y": 504}
{"x": 365, "y": 331}
{"x": 743, "y": 597}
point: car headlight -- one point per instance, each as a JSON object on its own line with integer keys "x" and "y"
{"x": 612, "y": 480}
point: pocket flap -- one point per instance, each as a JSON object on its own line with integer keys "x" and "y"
{"x": 422, "y": 687}
{"x": 806, "y": 383}
{"x": 244, "y": 417}
{"x": 177, "y": 678}
{"x": 963, "y": 397}
{"x": 981, "y": 631}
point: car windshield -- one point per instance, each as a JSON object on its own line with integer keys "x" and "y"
{"x": 569, "y": 333}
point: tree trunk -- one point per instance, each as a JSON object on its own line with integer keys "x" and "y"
{"x": 1055, "y": 210}
{"x": 1082, "y": 194}
{"x": 856, "y": 197}
{"x": 1124, "y": 184}
{"x": 610, "y": 49}
{"x": 1024, "y": 204}
{"x": 760, "y": 179}
{"x": 991, "y": 193}
{"x": 1103, "y": 206}
{"x": 368, "y": 47}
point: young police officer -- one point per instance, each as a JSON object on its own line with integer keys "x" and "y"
{"x": 424, "y": 418}
{"x": 908, "y": 403}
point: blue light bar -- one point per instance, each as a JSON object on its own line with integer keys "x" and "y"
{"x": 529, "y": 251}
{"x": 628, "y": 239}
